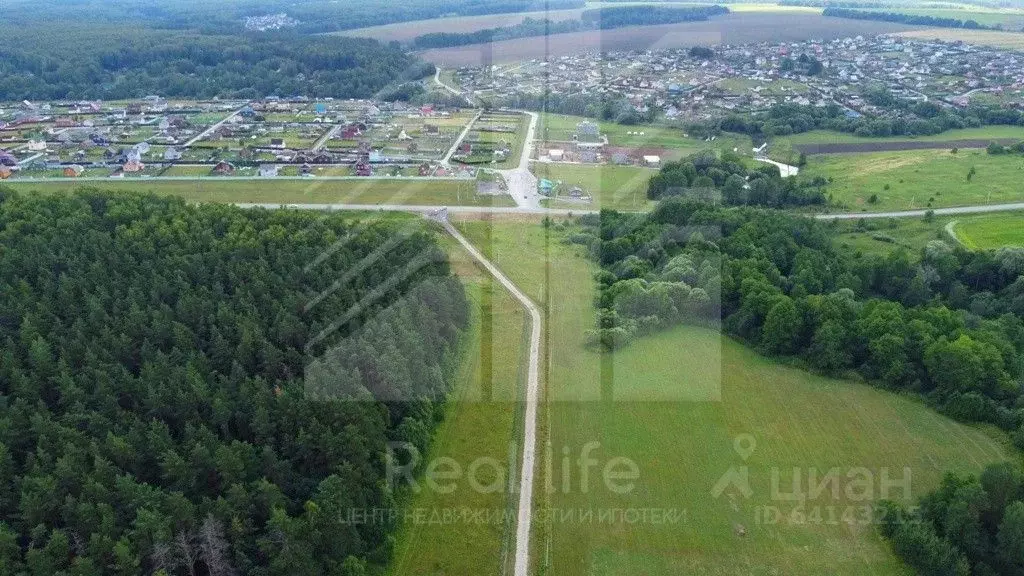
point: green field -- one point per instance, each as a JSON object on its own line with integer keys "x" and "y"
{"x": 560, "y": 128}
{"x": 618, "y": 187}
{"x": 311, "y": 191}
{"x": 1009, "y": 19}
{"x": 474, "y": 427}
{"x": 991, "y": 230}
{"x": 881, "y": 236}
{"x": 674, "y": 404}
{"x": 918, "y": 179}
{"x": 778, "y": 87}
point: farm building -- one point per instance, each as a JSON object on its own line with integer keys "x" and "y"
{"x": 652, "y": 161}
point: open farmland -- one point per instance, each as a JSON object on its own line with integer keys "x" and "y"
{"x": 1008, "y": 40}
{"x": 918, "y": 179}
{"x": 1008, "y": 18}
{"x": 325, "y": 191}
{"x": 735, "y": 28}
{"x": 710, "y": 391}
{"x": 407, "y": 31}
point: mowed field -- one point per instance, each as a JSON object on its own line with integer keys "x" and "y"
{"x": 616, "y": 187}
{"x": 310, "y": 191}
{"x": 483, "y": 418}
{"x": 689, "y": 408}
{"x": 1008, "y": 40}
{"x": 918, "y": 179}
{"x": 735, "y": 28}
{"x": 991, "y": 231}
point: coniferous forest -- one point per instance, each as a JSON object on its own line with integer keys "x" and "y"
{"x": 154, "y": 413}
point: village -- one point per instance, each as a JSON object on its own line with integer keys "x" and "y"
{"x": 272, "y": 138}
{"x": 698, "y": 84}
{"x": 300, "y": 138}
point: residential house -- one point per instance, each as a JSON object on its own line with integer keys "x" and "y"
{"x": 172, "y": 154}
{"x": 223, "y": 168}
{"x": 277, "y": 143}
{"x": 133, "y": 166}
{"x": 73, "y": 171}
{"x": 269, "y": 170}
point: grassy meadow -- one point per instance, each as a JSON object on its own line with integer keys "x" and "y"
{"x": 309, "y": 191}
{"x": 617, "y": 187}
{"x": 688, "y": 405}
{"x": 991, "y": 230}
{"x": 918, "y": 179}
{"x": 561, "y": 127}
{"x": 482, "y": 420}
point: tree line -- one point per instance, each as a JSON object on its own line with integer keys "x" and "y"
{"x": 169, "y": 403}
{"x": 902, "y": 18}
{"x": 226, "y": 17}
{"x": 907, "y": 119}
{"x": 946, "y": 324}
{"x": 706, "y": 176}
{"x": 969, "y": 525}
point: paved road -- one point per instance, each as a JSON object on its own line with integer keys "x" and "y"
{"x": 785, "y": 170}
{"x": 455, "y": 145}
{"x": 210, "y": 130}
{"x": 418, "y": 209}
{"x": 937, "y": 211}
{"x": 568, "y": 212}
{"x": 522, "y": 184}
{"x": 525, "y": 512}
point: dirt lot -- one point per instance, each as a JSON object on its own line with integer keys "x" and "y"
{"x": 856, "y": 147}
{"x": 735, "y": 28}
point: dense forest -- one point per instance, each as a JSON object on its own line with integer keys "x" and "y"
{"x": 948, "y": 324}
{"x": 95, "y": 62}
{"x": 597, "y": 19}
{"x": 706, "y": 176}
{"x": 969, "y": 525}
{"x": 913, "y": 19}
{"x": 92, "y": 61}
{"x": 227, "y": 16}
{"x": 168, "y": 401}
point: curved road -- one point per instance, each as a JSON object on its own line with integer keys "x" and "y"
{"x": 525, "y": 513}
{"x": 980, "y": 209}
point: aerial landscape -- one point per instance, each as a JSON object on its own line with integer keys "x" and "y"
{"x": 511, "y": 287}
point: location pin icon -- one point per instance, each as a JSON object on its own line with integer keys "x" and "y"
{"x": 744, "y": 445}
